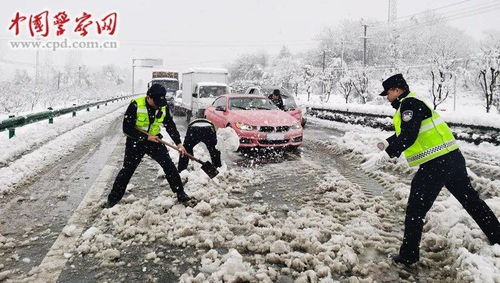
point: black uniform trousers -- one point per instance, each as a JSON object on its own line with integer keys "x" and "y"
{"x": 134, "y": 151}
{"x": 448, "y": 170}
{"x": 195, "y": 135}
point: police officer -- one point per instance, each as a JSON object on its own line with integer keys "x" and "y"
{"x": 426, "y": 141}
{"x": 147, "y": 114}
{"x": 200, "y": 130}
{"x": 276, "y": 98}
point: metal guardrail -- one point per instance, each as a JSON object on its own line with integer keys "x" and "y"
{"x": 470, "y": 133}
{"x": 15, "y": 122}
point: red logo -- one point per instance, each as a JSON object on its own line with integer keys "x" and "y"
{"x": 42, "y": 24}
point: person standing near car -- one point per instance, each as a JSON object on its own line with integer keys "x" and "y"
{"x": 427, "y": 141}
{"x": 200, "y": 130}
{"x": 276, "y": 98}
{"x": 141, "y": 125}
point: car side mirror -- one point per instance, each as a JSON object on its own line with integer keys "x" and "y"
{"x": 220, "y": 108}
{"x": 195, "y": 94}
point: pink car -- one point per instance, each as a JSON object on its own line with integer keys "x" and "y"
{"x": 288, "y": 100}
{"x": 256, "y": 120}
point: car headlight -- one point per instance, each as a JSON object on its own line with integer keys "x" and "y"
{"x": 245, "y": 127}
{"x": 295, "y": 126}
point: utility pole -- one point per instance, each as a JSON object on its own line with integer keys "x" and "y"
{"x": 392, "y": 11}
{"x": 133, "y": 71}
{"x": 454, "y": 92}
{"x": 322, "y": 82}
{"x": 342, "y": 55}
{"x": 364, "y": 44}
{"x": 324, "y": 55}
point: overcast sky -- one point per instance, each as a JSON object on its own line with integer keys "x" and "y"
{"x": 211, "y": 33}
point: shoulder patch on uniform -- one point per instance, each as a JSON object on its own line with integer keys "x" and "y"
{"x": 407, "y": 115}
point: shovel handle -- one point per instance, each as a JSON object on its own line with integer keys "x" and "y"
{"x": 174, "y": 147}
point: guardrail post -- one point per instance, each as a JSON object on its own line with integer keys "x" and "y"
{"x": 12, "y": 131}
{"x": 51, "y": 118}
{"x": 74, "y": 111}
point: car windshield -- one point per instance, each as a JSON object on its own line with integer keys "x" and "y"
{"x": 288, "y": 100}
{"x": 212, "y": 91}
{"x": 249, "y": 103}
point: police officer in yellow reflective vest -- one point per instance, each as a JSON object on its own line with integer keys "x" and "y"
{"x": 426, "y": 141}
{"x": 147, "y": 114}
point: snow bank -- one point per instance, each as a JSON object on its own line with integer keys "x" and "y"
{"x": 473, "y": 116}
{"x": 33, "y": 162}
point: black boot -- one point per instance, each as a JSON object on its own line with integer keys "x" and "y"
{"x": 108, "y": 204}
{"x": 182, "y": 197}
{"x": 400, "y": 260}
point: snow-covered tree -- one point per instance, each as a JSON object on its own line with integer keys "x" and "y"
{"x": 248, "y": 67}
{"x": 346, "y": 85}
{"x": 329, "y": 79}
{"x": 360, "y": 82}
{"x": 489, "y": 70}
{"x": 308, "y": 79}
{"x": 442, "y": 74}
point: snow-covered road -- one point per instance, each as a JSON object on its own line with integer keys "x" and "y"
{"x": 304, "y": 216}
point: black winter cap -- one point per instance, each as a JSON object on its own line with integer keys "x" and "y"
{"x": 157, "y": 93}
{"x": 392, "y": 82}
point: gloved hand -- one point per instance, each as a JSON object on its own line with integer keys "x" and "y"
{"x": 382, "y": 145}
{"x": 376, "y": 161}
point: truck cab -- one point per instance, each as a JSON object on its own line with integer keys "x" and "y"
{"x": 170, "y": 81}
{"x": 200, "y": 87}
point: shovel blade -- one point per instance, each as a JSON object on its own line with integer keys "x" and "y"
{"x": 209, "y": 169}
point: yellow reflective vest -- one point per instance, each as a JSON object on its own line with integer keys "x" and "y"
{"x": 434, "y": 138}
{"x": 142, "y": 119}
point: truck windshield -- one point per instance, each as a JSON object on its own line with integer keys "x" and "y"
{"x": 212, "y": 91}
{"x": 167, "y": 84}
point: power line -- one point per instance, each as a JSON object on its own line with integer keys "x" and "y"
{"x": 456, "y": 16}
{"x": 447, "y": 14}
{"x": 430, "y": 10}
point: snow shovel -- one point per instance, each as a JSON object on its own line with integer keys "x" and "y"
{"x": 206, "y": 166}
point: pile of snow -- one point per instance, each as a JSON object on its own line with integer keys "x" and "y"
{"x": 227, "y": 140}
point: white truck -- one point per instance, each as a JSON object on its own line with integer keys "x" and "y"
{"x": 170, "y": 81}
{"x": 200, "y": 87}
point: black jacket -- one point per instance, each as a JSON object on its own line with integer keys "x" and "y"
{"x": 417, "y": 111}
{"x": 130, "y": 119}
{"x": 277, "y": 101}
